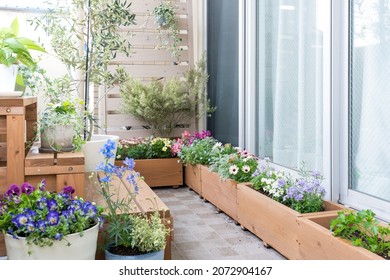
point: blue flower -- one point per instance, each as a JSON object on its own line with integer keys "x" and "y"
{"x": 58, "y": 236}
{"x": 53, "y": 218}
{"x": 30, "y": 226}
{"x": 52, "y": 204}
{"x": 129, "y": 162}
{"x": 41, "y": 225}
{"x": 42, "y": 203}
{"x": 20, "y": 220}
{"x": 89, "y": 210}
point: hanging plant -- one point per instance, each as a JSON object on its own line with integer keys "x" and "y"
{"x": 167, "y": 28}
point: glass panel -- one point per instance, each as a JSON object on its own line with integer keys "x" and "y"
{"x": 222, "y": 63}
{"x": 369, "y": 98}
{"x": 290, "y": 81}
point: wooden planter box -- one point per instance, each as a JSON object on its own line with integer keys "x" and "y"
{"x": 316, "y": 242}
{"x": 271, "y": 221}
{"x": 159, "y": 172}
{"x": 192, "y": 177}
{"x": 220, "y": 192}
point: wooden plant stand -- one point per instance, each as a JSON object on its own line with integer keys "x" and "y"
{"x": 18, "y": 117}
{"x": 59, "y": 169}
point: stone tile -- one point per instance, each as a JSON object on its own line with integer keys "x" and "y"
{"x": 198, "y": 254}
{"x": 188, "y": 245}
{"x": 222, "y": 251}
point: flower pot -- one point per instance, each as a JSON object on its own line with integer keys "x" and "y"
{"x": 159, "y": 172}
{"x": 8, "y": 78}
{"x": 316, "y": 242}
{"x": 57, "y": 139}
{"x": 192, "y": 177}
{"x": 92, "y": 157}
{"x": 160, "y": 20}
{"x": 82, "y": 247}
{"x": 159, "y": 255}
{"x": 271, "y": 221}
{"x": 220, "y": 192}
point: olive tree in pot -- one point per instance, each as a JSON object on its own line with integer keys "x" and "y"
{"x": 165, "y": 105}
{"x": 84, "y": 37}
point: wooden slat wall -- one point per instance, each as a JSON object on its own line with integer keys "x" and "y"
{"x": 146, "y": 63}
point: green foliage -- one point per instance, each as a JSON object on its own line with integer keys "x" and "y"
{"x": 148, "y": 233}
{"x": 198, "y": 152}
{"x": 364, "y": 230}
{"x": 147, "y": 148}
{"x": 164, "y": 105}
{"x": 15, "y": 49}
{"x": 168, "y": 32}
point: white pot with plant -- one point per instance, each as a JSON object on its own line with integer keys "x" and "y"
{"x": 14, "y": 50}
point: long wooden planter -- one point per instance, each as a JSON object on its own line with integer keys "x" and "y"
{"x": 273, "y": 222}
{"x": 159, "y": 172}
{"x": 220, "y": 192}
{"x": 316, "y": 242}
{"x": 192, "y": 177}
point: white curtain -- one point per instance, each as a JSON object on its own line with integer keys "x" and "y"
{"x": 370, "y": 99}
{"x": 297, "y": 83}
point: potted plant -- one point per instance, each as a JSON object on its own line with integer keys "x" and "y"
{"x": 127, "y": 234}
{"x": 154, "y": 159}
{"x": 168, "y": 31}
{"x": 59, "y": 127}
{"x": 14, "y": 50}
{"x": 38, "y": 224}
{"x": 85, "y": 38}
{"x": 165, "y": 105}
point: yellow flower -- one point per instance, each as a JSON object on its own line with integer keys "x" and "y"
{"x": 164, "y": 149}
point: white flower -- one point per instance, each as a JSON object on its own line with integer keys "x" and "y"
{"x": 233, "y": 169}
{"x": 246, "y": 168}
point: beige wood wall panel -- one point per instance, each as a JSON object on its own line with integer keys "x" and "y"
{"x": 3, "y": 151}
{"x": 140, "y": 56}
{"x": 155, "y": 71}
{"x": 142, "y": 6}
{"x": 149, "y": 39}
{"x": 3, "y": 180}
{"x": 3, "y": 125}
{"x": 146, "y": 63}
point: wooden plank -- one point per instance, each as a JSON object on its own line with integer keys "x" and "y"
{"x": 122, "y": 120}
{"x": 3, "y": 180}
{"x": 149, "y": 55}
{"x": 3, "y": 151}
{"x": 3, "y": 125}
{"x": 148, "y": 39}
{"x": 16, "y": 149}
{"x": 141, "y": 6}
{"x": 51, "y": 181}
{"x": 56, "y": 169}
{"x": 74, "y": 180}
{"x": 71, "y": 158}
{"x": 17, "y": 101}
{"x": 161, "y": 172}
{"x": 156, "y": 71}
{"x": 146, "y": 22}
{"x": 3, "y": 251}
{"x": 6, "y": 111}
{"x": 192, "y": 177}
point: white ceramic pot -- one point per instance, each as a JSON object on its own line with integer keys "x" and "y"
{"x": 92, "y": 157}
{"x": 8, "y": 78}
{"x": 81, "y": 247}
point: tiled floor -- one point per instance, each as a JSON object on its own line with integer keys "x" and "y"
{"x": 201, "y": 233}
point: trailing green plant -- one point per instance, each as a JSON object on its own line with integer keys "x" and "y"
{"x": 167, "y": 28}
{"x": 84, "y": 37}
{"x": 363, "y": 230}
{"x": 165, "y": 105}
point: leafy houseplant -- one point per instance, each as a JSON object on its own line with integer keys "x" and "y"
{"x": 127, "y": 233}
{"x": 15, "y": 50}
{"x": 364, "y": 230}
{"x": 164, "y": 105}
{"x": 168, "y": 32}
{"x": 60, "y": 126}
{"x": 43, "y": 217}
